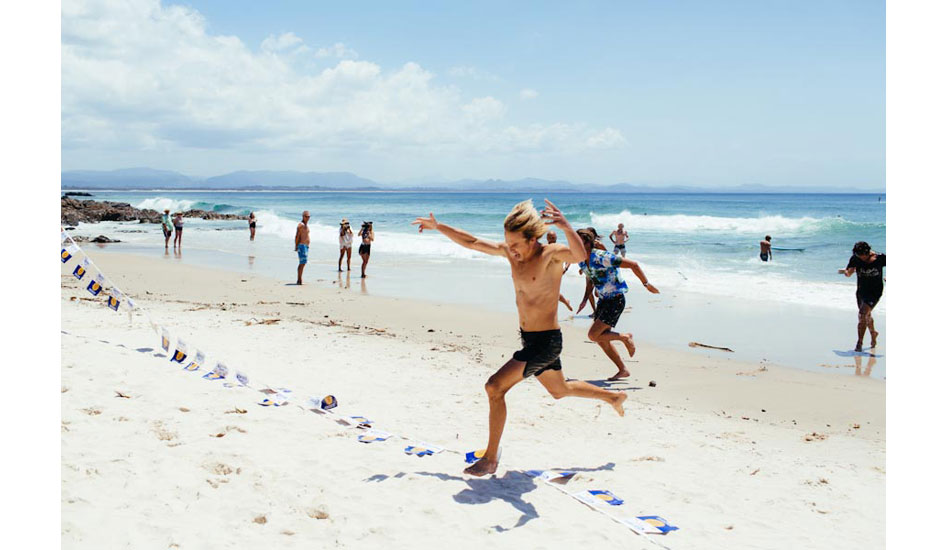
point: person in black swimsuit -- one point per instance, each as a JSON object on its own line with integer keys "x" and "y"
{"x": 869, "y": 266}
{"x": 367, "y": 236}
{"x": 252, "y": 224}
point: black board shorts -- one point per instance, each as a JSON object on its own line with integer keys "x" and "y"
{"x": 869, "y": 300}
{"x": 364, "y": 249}
{"x": 541, "y": 351}
{"x": 609, "y": 309}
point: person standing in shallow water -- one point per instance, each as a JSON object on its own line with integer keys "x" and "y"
{"x": 167, "y": 226}
{"x": 302, "y": 244}
{"x": 536, "y": 271}
{"x": 252, "y": 224}
{"x": 179, "y": 224}
{"x": 869, "y": 266}
{"x": 765, "y": 249}
{"x": 367, "y": 237}
{"x": 346, "y": 244}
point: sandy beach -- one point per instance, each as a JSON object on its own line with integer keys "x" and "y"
{"x": 736, "y": 454}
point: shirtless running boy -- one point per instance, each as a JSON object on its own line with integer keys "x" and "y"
{"x": 536, "y": 271}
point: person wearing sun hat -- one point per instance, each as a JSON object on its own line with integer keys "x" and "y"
{"x": 346, "y": 244}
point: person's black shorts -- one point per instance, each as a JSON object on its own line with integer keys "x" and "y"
{"x": 609, "y": 309}
{"x": 870, "y": 301}
{"x": 540, "y": 351}
{"x": 364, "y": 249}
{"x": 764, "y": 256}
{"x": 166, "y": 232}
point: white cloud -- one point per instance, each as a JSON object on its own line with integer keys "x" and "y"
{"x": 338, "y": 50}
{"x": 528, "y": 93}
{"x": 141, "y": 76}
{"x": 280, "y": 43}
{"x": 467, "y": 71}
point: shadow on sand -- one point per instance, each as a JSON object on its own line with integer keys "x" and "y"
{"x": 509, "y": 488}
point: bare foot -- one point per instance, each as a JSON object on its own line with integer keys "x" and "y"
{"x": 858, "y": 346}
{"x": 624, "y": 373}
{"x": 873, "y": 339}
{"x": 483, "y": 467}
{"x": 627, "y": 340}
{"x": 617, "y": 402}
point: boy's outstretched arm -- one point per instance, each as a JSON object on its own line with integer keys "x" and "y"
{"x": 460, "y": 236}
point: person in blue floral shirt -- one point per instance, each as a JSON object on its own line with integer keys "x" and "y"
{"x": 603, "y": 270}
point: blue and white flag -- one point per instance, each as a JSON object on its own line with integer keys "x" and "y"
{"x": 372, "y": 436}
{"x": 68, "y": 252}
{"x": 181, "y": 352}
{"x": 472, "y": 457}
{"x": 166, "y": 340}
{"x": 649, "y": 525}
{"x": 220, "y": 372}
{"x": 81, "y": 269}
{"x": 423, "y": 449}
{"x": 196, "y": 361}
{"x": 241, "y": 378}
{"x": 63, "y": 236}
{"x": 95, "y": 285}
{"x": 597, "y": 498}
{"x": 115, "y": 298}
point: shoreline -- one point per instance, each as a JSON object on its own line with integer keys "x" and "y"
{"x": 797, "y": 336}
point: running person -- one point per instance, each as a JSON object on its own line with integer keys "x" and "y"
{"x": 869, "y": 266}
{"x": 536, "y": 271}
{"x": 619, "y": 238}
{"x": 603, "y": 270}
{"x": 367, "y": 236}
{"x": 589, "y": 293}
{"x": 302, "y": 244}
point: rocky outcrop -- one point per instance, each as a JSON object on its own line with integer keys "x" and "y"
{"x": 99, "y": 239}
{"x": 74, "y": 211}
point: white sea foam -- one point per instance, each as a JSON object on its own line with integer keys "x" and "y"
{"x": 682, "y": 223}
{"x": 161, "y": 203}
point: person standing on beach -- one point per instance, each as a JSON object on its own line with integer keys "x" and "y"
{"x": 167, "y": 226}
{"x": 179, "y": 224}
{"x": 619, "y": 238}
{"x": 552, "y": 238}
{"x": 252, "y": 224}
{"x": 869, "y": 266}
{"x": 367, "y": 236}
{"x": 765, "y": 249}
{"x": 346, "y": 245}
{"x": 302, "y": 244}
{"x": 603, "y": 269}
{"x": 536, "y": 271}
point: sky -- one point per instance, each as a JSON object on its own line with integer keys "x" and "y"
{"x": 723, "y": 93}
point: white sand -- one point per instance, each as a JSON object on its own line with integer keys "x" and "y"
{"x": 150, "y": 472}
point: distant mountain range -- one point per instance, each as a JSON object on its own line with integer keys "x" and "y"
{"x": 148, "y": 178}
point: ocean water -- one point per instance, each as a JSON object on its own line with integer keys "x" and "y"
{"x": 702, "y": 248}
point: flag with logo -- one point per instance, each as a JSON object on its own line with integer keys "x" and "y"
{"x": 115, "y": 298}
{"x": 166, "y": 341}
{"x": 95, "y": 285}
{"x": 68, "y": 252}
{"x": 196, "y": 361}
{"x": 219, "y": 373}
{"x": 81, "y": 269}
{"x": 181, "y": 352}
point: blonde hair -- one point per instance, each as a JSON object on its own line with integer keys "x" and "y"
{"x": 524, "y": 219}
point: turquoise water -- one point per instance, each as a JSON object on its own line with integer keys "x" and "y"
{"x": 709, "y": 240}
{"x": 700, "y": 250}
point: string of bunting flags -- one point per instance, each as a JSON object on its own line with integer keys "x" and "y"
{"x": 599, "y": 500}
